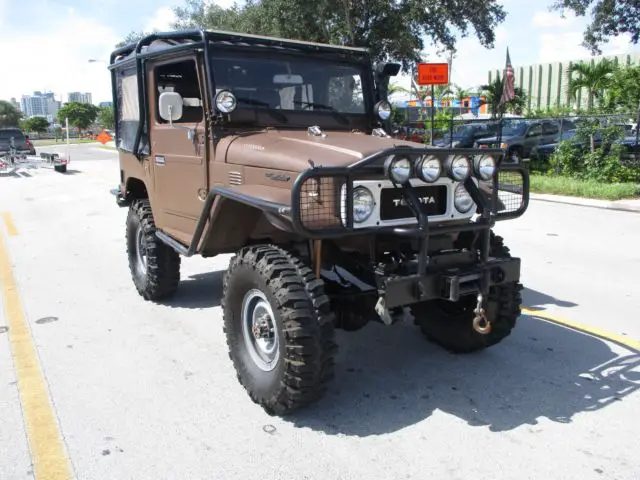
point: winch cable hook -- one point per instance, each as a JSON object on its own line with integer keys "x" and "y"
{"x": 480, "y": 322}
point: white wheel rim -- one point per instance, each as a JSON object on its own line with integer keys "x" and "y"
{"x": 259, "y": 330}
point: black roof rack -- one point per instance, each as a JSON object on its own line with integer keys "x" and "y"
{"x": 167, "y": 41}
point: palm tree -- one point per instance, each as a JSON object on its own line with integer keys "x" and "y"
{"x": 461, "y": 94}
{"x": 493, "y": 92}
{"x": 595, "y": 78}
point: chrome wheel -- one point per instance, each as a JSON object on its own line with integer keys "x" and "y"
{"x": 259, "y": 330}
{"x": 141, "y": 250}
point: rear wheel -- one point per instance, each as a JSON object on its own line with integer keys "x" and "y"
{"x": 154, "y": 266}
{"x": 450, "y": 325}
{"x": 279, "y": 328}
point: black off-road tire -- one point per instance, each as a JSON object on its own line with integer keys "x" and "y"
{"x": 303, "y": 323}
{"x": 450, "y": 325}
{"x": 162, "y": 275}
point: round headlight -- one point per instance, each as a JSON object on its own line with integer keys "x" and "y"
{"x": 383, "y": 110}
{"x": 226, "y": 101}
{"x": 462, "y": 200}
{"x": 429, "y": 169}
{"x": 363, "y": 204}
{"x": 398, "y": 169}
{"x": 459, "y": 168}
{"x": 485, "y": 167}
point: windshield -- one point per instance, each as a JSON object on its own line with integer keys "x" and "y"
{"x": 514, "y": 128}
{"x": 462, "y": 130}
{"x": 291, "y": 84}
{"x": 7, "y": 134}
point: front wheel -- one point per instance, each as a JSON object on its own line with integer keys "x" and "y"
{"x": 450, "y": 325}
{"x": 154, "y": 266}
{"x": 279, "y": 328}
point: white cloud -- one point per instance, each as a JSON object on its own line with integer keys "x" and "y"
{"x": 4, "y": 4}
{"x": 564, "y": 46}
{"x": 161, "y": 21}
{"x": 546, "y": 19}
{"x": 58, "y": 57}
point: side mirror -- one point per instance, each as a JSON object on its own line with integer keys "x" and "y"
{"x": 388, "y": 69}
{"x": 170, "y": 106}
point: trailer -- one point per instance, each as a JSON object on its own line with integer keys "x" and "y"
{"x": 13, "y": 160}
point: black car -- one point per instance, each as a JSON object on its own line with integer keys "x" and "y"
{"x": 21, "y": 142}
{"x": 519, "y": 136}
{"x": 464, "y": 136}
{"x": 543, "y": 152}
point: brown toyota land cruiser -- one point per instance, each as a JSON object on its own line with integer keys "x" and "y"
{"x": 278, "y": 151}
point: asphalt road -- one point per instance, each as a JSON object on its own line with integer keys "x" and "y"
{"x": 143, "y": 391}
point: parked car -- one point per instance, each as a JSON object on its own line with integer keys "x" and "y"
{"x": 21, "y": 141}
{"x": 520, "y": 136}
{"x": 543, "y": 152}
{"x": 465, "y": 135}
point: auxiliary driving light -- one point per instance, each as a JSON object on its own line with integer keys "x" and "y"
{"x": 484, "y": 166}
{"x": 429, "y": 169}
{"x": 462, "y": 200}
{"x": 226, "y": 101}
{"x": 458, "y": 167}
{"x": 398, "y": 169}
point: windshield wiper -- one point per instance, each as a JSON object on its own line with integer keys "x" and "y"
{"x": 259, "y": 103}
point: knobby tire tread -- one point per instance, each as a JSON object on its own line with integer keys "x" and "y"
{"x": 457, "y": 335}
{"x": 163, "y": 262}
{"x": 307, "y": 323}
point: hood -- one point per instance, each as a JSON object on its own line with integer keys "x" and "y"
{"x": 292, "y": 149}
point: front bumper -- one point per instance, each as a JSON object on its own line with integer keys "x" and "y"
{"x": 448, "y": 284}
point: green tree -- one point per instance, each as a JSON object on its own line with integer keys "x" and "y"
{"x": 461, "y": 94}
{"x": 131, "y": 37}
{"x": 35, "y": 124}
{"x": 493, "y": 92}
{"x": 9, "y": 116}
{"x": 106, "y": 118}
{"x": 391, "y": 30}
{"x": 80, "y": 115}
{"x": 595, "y": 78}
{"x": 624, "y": 91}
{"x": 609, "y": 18}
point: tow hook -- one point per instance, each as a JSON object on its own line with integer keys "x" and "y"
{"x": 480, "y": 322}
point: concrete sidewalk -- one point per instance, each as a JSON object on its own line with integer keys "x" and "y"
{"x": 632, "y": 205}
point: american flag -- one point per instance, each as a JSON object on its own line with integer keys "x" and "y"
{"x": 508, "y": 87}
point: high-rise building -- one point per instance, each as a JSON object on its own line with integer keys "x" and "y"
{"x": 80, "y": 97}
{"x": 40, "y": 104}
{"x": 15, "y": 103}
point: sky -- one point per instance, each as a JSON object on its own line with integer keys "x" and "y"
{"x": 48, "y": 43}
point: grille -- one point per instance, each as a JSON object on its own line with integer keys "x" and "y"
{"x": 319, "y": 203}
{"x": 510, "y": 189}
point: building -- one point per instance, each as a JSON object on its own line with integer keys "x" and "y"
{"x": 546, "y": 84}
{"x": 14, "y": 103}
{"x": 40, "y": 104}
{"x": 80, "y": 97}
{"x": 105, "y": 104}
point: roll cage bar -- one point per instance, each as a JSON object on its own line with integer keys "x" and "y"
{"x": 185, "y": 40}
